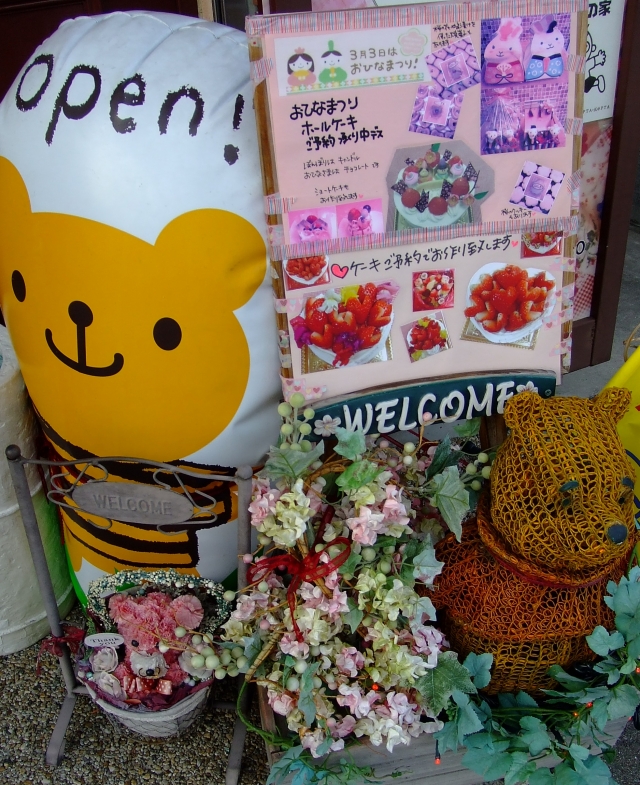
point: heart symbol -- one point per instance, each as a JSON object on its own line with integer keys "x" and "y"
{"x": 338, "y": 271}
{"x": 514, "y": 243}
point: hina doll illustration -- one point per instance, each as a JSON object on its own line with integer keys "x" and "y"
{"x": 300, "y": 67}
{"x": 503, "y": 63}
{"x": 331, "y": 72}
{"x": 546, "y": 51}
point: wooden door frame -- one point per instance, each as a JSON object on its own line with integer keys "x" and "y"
{"x": 593, "y": 336}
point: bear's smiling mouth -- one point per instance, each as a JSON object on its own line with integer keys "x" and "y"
{"x": 82, "y": 316}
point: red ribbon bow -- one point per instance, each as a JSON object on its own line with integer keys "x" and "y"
{"x": 72, "y": 638}
{"x": 309, "y": 569}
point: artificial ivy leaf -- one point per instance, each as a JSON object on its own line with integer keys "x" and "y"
{"x": 595, "y": 771}
{"x": 466, "y": 718}
{"x": 602, "y": 642}
{"x": 351, "y": 564}
{"x": 306, "y": 703}
{"x": 351, "y": 444}
{"x": 468, "y": 428}
{"x": 424, "y": 606}
{"x": 444, "y": 456}
{"x": 448, "y": 737}
{"x": 425, "y": 565}
{"x": 282, "y": 766}
{"x": 411, "y": 549}
{"x": 479, "y": 666}
{"x": 324, "y": 748}
{"x": 625, "y": 597}
{"x": 578, "y": 753}
{"x": 524, "y": 699}
{"x": 613, "y": 677}
{"x": 592, "y": 694}
{"x": 628, "y": 667}
{"x": 633, "y": 649}
{"x": 628, "y": 625}
{"x": 289, "y": 465}
{"x": 252, "y": 647}
{"x": 506, "y": 700}
{"x": 358, "y": 474}
{"x": 541, "y": 777}
{"x": 535, "y": 735}
{"x": 485, "y": 708}
{"x": 599, "y": 714}
{"x": 354, "y": 616}
{"x": 451, "y": 498}
{"x": 624, "y": 701}
{"x": 492, "y": 767}
{"x": 609, "y": 666}
{"x": 565, "y": 774}
{"x": 571, "y": 683}
{"x": 487, "y": 742}
{"x": 521, "y": 768}
{"x": 437, "y": 685}
{"x": 304, "y": 775}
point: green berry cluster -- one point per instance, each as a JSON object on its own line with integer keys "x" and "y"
{"x": 295, "y": 428}
{"x": 478, "y": 470}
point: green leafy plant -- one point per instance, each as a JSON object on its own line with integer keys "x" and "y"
{"x": 354, "y": 521}
{"x": 516, "y": 731}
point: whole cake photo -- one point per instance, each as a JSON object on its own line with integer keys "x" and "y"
{"x": 437, "y": 185}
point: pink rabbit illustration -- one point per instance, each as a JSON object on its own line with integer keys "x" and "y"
{"x": 546, "y": 54}
{"x": 503, "y": 63}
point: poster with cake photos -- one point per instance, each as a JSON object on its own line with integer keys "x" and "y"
{"x": 427, "y": 310}
{"x": 403, "y": 244}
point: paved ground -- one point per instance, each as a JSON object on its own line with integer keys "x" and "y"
{"x": 98, "y": 753}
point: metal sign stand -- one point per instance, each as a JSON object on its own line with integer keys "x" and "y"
{"x": 57, "y": 494}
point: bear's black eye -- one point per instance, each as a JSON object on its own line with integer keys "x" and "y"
{"x": 19, "y": 286}
{"x": 167, "y": 333}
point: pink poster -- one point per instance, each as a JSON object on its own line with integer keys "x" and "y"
{"x": 423, "y": 159}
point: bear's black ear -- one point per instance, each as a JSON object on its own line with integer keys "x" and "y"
{"x": 614, "y": 401}
{"x": 521, "y": 408}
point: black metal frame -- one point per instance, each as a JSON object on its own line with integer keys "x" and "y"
{"x": 17, "y": 464}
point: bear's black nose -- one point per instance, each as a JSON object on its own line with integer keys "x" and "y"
{"x": 617, "y": 533}
{"x": 80, "y": 313}
{"x": 150, "y": 671}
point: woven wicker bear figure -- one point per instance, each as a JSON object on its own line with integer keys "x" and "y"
{"x": 526, "y": 583}
{"x": 562, "y": 484}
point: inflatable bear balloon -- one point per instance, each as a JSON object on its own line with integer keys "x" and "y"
{"x": 133, "y": 271}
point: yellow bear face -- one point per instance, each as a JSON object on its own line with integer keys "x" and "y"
{"x": 562, "y": 484}
{"x": 107, "y": 344}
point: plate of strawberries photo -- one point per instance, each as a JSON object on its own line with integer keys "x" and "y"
{"x": 426, "y": 337}
{"x": 308, "y": 270}
{"x": 348, "y": 326}
{"x": 542, "y": 243}
{"x": 506, "y": 302}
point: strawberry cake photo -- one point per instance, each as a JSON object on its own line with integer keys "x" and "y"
{"x": 436, "y": 186}
{"x": 348, "y": 326}
{"x": 507, "y": 303}
{"x": 426, "y": 337}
